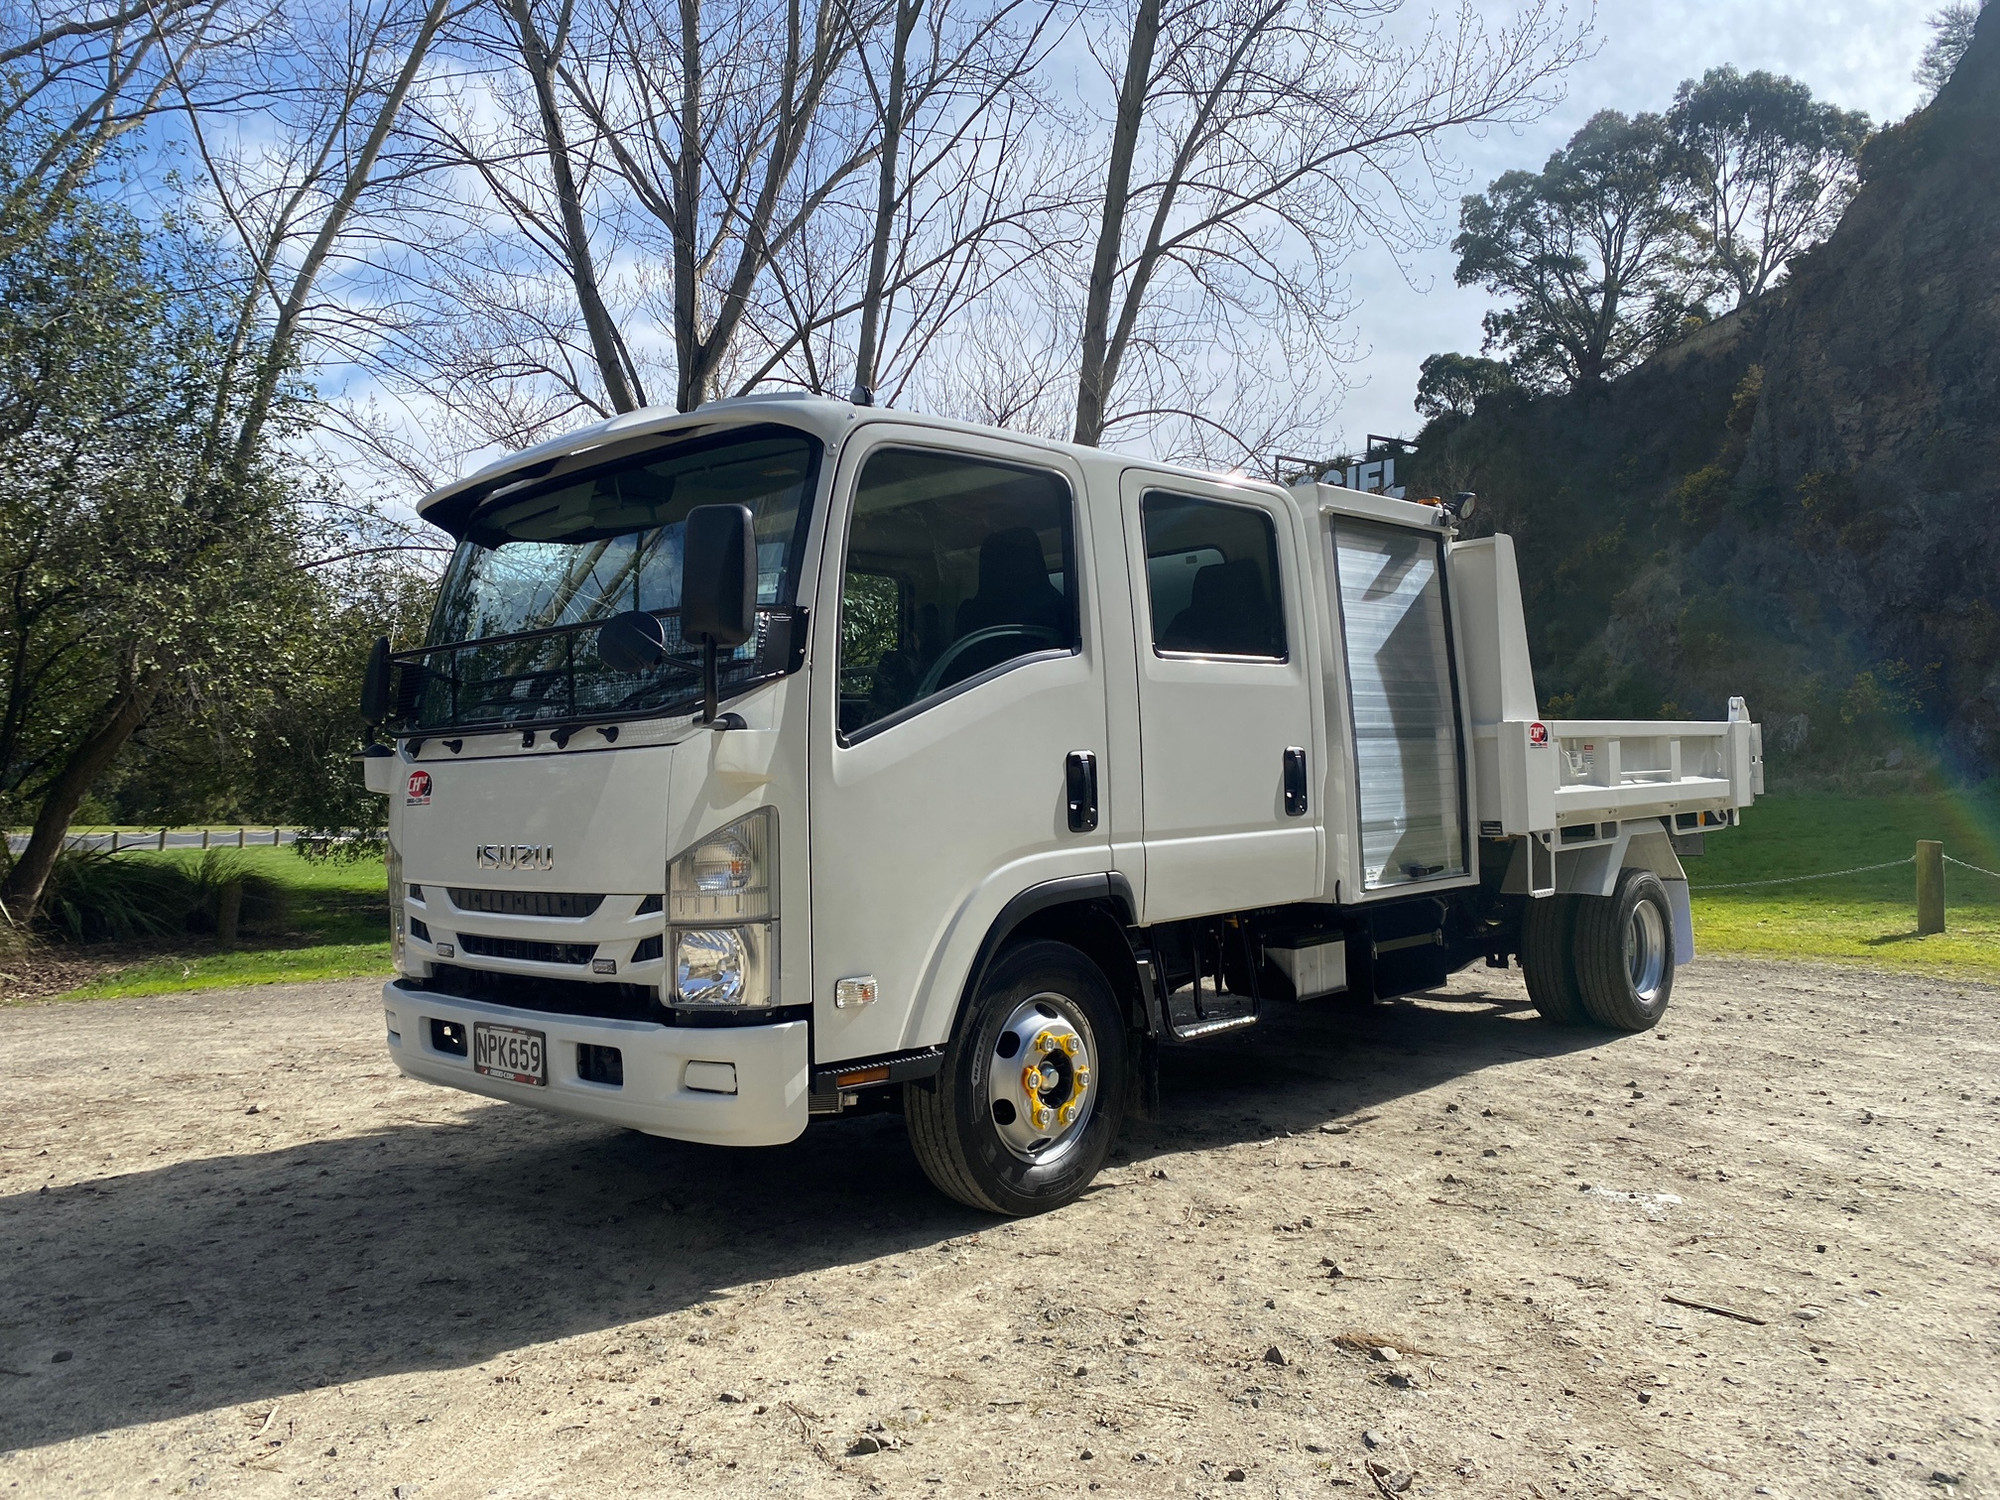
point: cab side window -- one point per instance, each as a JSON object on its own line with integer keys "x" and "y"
{"x": 955, "y": 566}
{"x": 1212, "y": 578}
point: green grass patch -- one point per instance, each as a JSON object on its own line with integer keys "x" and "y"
{"x": 1866, "y": 919}
{"x": 336, "y": 927}
{"x": 241, "y": 966}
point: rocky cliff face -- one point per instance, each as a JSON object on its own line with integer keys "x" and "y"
{"x": 1799, "y": 503}
{"x": 1881, "y": 399}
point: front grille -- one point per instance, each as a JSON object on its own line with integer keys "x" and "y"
{"x": 558, "y": 997}
{"x": 525, "y": 903}
{"x": 526, "y": 950}
{"x": 648, "y": 949}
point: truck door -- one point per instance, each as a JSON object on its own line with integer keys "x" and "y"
{"x": 958, "y": 703}
{"x": 1227, "y": 750}
{"x": 1403, "y": 703}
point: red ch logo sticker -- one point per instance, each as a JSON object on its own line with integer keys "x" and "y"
{"x": 1538, "y": 734}
{"x": 420, "y": 787}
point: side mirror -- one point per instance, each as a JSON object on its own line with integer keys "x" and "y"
{"x": 719, "y": 575}
{"x": 375, "y": 702}
{"x": 632, "y": 642}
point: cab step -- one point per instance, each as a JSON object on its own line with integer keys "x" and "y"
{"x": 1192, "y": 1016}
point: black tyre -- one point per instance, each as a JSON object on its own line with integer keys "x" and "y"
{"x": 1033, "y": 1087}
{"x": 1625, "y": 952}
{"x": 1548, "y": 959}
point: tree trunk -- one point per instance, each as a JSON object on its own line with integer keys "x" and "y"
{"x": 284, "y": 332}
{"x": 1091, "y": 395}
{"x": 30, "y": 874}
{"x": 866, "y": 357}
{"x": 619, "y": 387}
{"x": 687, "y": 197}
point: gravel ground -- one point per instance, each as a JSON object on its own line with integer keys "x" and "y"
{"x": 240, "y": 1254}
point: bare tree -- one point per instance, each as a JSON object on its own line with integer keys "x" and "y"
{"x": 1253, "y": 145}
{"x": 540, "y": 59}
{"x": 79, "y": 78}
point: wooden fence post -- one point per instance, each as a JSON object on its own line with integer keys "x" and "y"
{"x": 1930, "y": 885}
{"x": 229, "y": 913}
{"x": 163, "y": 838}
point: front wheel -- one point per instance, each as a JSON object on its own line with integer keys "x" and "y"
{"x": 1625, "y": 952}
{"x": 1029, "y": 1100}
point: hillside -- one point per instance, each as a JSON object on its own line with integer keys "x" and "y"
{"x": 1798, "y": 503}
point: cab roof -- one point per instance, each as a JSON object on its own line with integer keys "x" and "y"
{"x": 450, "y": 506}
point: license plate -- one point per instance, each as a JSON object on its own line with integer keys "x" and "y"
{"x": 511, "y": 1053}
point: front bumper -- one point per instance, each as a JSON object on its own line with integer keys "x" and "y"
{"x": 771, "y": 1067}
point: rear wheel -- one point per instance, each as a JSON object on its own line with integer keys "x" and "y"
{"x": 1029, "y": 1100}
{"x": 1625, "y": 953}
{"x": 1548, "y": 959}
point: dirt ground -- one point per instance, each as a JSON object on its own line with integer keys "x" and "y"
{"x": 242, "y": 1255}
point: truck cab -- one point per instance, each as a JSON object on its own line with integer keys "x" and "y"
{"x": 1022, "y": 762}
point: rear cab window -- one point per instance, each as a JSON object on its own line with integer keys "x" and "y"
{"x": 1212, "y": 578}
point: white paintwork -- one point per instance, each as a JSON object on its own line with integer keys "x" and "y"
{"x": 896, "y": 853}
{"x": 1213, "y": 734}
{"x": 923, "y": 830}
{"x": 769, "y": 1062}
{"x": 602, "y": 811}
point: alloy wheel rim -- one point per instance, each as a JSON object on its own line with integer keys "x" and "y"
{"x": 1646, "y": 950}
{"x": 1041, "y": 1080}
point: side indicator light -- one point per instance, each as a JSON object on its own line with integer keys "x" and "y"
{"x": 861, "y": 1076}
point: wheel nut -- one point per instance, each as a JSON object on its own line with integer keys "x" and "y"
{"x": 1071, "y": 1043}
{"x": 1044, "y": 1041}
{"x": 1031, "y": 1078}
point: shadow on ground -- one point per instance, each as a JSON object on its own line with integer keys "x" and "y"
{"x": 241, "y": 1278}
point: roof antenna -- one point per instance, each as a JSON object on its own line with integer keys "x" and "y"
{"x": 861, "y": 395}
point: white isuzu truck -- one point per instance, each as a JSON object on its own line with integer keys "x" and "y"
{"x": 788, "y": 758}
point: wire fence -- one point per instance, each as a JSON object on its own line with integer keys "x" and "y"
{"x": 1744, "y": 885}
{"x": 1908, "y": 859}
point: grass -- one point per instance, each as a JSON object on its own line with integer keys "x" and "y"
{"x": 1855, "y": 919}
{"x": 337, "y": 929}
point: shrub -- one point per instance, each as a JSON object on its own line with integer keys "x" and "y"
{"x": 95, "y": 896}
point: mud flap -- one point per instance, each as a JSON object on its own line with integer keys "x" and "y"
{"x": 1683, "y": 910}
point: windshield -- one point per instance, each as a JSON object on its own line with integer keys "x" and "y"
{"x": 513, "y": 638}
{"x": 588, "y": 546}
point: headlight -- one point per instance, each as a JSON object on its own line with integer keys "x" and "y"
{"x": 723, "y": 936}
{"x": 724, "y": 965}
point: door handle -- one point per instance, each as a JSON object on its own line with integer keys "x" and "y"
{"x": 1080, "y": 774}
{"x": 1295, "y": 782}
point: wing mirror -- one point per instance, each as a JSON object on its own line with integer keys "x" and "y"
{"x": 632, "y": 641}
{"x": 375, "y": 703}
{"x": 718, "y": 585}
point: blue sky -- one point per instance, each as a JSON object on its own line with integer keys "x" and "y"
{"x": 1856, "y": 54}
